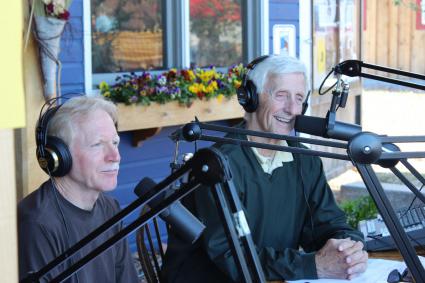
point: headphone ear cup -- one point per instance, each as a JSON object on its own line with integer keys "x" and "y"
{"x": 242, "y": 95}
{"x": 57, "y": 159}
{"x": 305, "y": 107}
{"x": 247, "y": 92}
{"x": 247, "y": 96}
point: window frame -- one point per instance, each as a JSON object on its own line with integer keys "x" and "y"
{"x": 176, "y": 49}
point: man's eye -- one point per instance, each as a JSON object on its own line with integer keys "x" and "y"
{"x": 280, "y": 96}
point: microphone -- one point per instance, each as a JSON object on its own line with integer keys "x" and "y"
{"x": 176, "y": 215}
{"x": 320, "y": 127}
{"x": 317, "y": 126}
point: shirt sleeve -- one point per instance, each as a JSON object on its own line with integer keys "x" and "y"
{"x": 277, "y": 264}
{"x": 329, "y": 221}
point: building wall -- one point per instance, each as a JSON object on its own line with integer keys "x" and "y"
{"x": 394, "y": 35}
{"x": 9, "y": 239}
{"x": 72, "y": 51}
{"x": 284, "y": 12}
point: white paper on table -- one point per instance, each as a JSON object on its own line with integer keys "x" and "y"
{"x": 376, "y": 272}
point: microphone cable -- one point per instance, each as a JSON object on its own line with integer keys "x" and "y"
{"x": 68, "y": 234}
{"x": 323, "y": 82}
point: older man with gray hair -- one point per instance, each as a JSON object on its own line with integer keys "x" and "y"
{"x": 77, "y": 146}
{"x": 298, "y": 230}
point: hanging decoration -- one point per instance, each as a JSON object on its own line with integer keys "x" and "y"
{"x": 50, "y": 17}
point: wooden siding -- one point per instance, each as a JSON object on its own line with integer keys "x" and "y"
{"x": 391, "y": 37}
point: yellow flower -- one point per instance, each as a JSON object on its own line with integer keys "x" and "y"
{"x": 237, "y": 83}
{"x": 212, "y": 87}
{"x": 191, "y": 75}
{"x": 103, "y": 86}
{"x": 107, "y": 94}
{"x": 195, "y": 88}
{"x": 220, "y": 97}
{"x": 207, "y": 75}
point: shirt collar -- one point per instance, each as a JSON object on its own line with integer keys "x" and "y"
{"x": 270, "y": 163}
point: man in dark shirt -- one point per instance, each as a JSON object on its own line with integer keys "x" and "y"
{"x": 286, "y": 198}
{"x": 77, "y": 145}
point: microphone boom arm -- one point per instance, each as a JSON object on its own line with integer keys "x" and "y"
{"x": 353, "y": 68}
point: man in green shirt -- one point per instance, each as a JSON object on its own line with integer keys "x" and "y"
{"x": 298, "y": 230}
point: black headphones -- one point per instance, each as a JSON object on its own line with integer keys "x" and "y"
{"x": 247, "y": 92}
{"x": 53, "y": 154}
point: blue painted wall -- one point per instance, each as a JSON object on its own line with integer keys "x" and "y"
{"x": 153, "y": 157}
{"x": 72, "y": 51}
{"x": 284, "y": 12}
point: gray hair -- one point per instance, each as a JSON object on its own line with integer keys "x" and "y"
{"x": 276, "y": 65}
{"x": 62, "y": 124}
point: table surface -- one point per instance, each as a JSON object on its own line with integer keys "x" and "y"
{"x": 390, "y": 255}
{"x": 393, "y": 254}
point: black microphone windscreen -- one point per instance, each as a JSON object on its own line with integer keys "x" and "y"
{"x": 182, "y": 220}
{"x": 310, "y": 125}
{"x": 145, "y": 185}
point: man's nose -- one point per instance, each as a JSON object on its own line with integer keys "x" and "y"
{"x": 290, "y": 106}
{"x": 113, "y": 153}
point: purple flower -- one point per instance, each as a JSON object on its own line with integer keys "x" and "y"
{"x": 133, "y": 99}
{"x": 162, "y": 80}
{"x": 161, "y": 89}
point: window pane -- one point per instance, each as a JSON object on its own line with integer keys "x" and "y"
{"x": 348, "y": 30}
{"x": 215, "y": 32}
{"x": 126, "y": 35}
{"x": 325, "y": 33}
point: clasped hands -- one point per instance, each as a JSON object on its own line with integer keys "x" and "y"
{"x": 341, "y": 258}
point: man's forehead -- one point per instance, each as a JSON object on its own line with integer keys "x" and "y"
{"x": 277, "y": 81}
{"x": 280, "y": 76}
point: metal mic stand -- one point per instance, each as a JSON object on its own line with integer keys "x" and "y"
{"x": 353, "y": 68}
{"x": 363, "y": 149}
{"x": 207, "y": 167}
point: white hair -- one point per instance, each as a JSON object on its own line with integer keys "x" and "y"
{"x": 63, "y": 121}
{"x": 276, "y": 65}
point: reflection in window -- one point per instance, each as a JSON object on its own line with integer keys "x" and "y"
{"x": 126, "y": 35}
{"x": 335, "y": 33}
{"x": 215, "y": 32}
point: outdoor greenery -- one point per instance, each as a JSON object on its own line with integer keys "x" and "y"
{"x": 216, "y": 32}
{"x": 359, "y": 209}
{"x": 183, "y": 86}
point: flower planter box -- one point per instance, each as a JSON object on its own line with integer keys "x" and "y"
{"x": 136, "y": 117}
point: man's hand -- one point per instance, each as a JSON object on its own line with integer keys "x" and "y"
{"x": 341, "y": 258}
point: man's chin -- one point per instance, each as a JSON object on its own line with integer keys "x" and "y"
{"x": 280, "y": 131}
{"x": 108, "y": 187}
